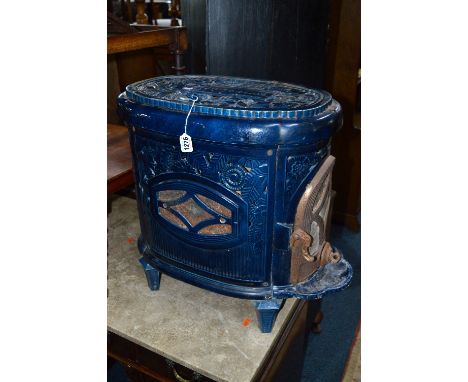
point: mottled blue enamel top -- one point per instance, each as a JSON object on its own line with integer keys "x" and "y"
{"x": 230, "y": 97}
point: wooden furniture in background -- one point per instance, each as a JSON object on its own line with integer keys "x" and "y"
{"x": 131, "y": 57}
{"x": 146, "y": 12}
{"x": 344, "y": 59}
{"x": 155, "y": 12}
{"x": 119, "y": 159}
{"x": 141, "y": 16}
{"x": 138, "y": 54}
{"x": 174, "y": 12}
{"x": 153, "y": 36}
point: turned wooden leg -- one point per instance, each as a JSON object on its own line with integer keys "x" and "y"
{"x": 141, "y": 16}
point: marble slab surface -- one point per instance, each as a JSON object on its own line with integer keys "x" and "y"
{"x": 202, "y": 330}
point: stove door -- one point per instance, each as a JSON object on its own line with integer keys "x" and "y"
{"x": 202, "y": 227}
{"x": 198, "y": 212}
{"x": 309, "y": 250}
{"x": 206, "y": 213}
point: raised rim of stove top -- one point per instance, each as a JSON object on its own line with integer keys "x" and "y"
{"x": 220, "y": 96}
{"x": 260, "y": 132}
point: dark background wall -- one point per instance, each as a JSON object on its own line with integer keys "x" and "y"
{"x": 194, "y": 15}
{"x": 282, "y": 40}
{"x": 315, "y": 43}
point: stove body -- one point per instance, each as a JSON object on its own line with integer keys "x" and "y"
{"x": 244, "y": 214}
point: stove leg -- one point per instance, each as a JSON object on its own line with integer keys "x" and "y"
{"x": 267, "y": 310}
{"x": 153, "y": 276}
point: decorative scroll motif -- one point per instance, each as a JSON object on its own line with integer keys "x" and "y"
{"x": 309, "y": 250}
{"x": 230, "y": 96}
{"x": 245, "y": 176}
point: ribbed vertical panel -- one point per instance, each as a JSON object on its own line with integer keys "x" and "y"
{"x": 235, "y": 263}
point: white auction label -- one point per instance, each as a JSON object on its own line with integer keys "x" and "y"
{"x": 186, "y": 143}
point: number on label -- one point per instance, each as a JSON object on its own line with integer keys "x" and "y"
{"x": 186, "y": 143}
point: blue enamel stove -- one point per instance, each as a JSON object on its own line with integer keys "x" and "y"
{"x": 244, "y": 213}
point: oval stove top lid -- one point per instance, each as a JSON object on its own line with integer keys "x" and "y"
{"x": 230, "y": 97}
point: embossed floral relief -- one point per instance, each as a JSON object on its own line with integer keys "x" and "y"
{"x": 245, "y": 176}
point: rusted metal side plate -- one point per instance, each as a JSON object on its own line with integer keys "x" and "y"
{"x": 309, "y": 250}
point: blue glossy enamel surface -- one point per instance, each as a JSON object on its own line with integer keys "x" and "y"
{"x": 230, "y": 97}
{"x": 231, "y": 130}
{"x": 257, "y": 144}
{"x": 239, "y": 179}
{"x": 267, "y": 310}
